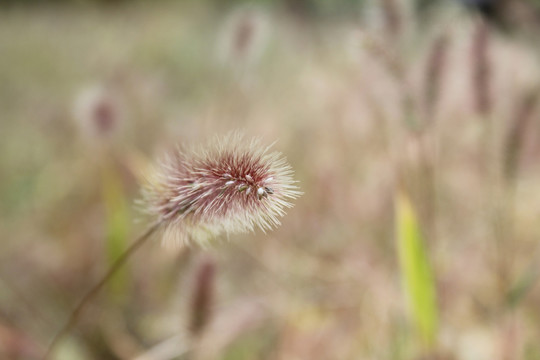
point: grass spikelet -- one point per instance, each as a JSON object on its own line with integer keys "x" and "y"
{"x": 230, "y": 186}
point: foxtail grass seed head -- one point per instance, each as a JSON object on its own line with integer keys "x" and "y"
{"x": 230, "y": 186}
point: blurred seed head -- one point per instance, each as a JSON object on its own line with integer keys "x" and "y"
{"x": 202, "y": 297}
{"x": 481, "y": 67}
{"x": 243, "y": 37}
{"x": 230, "y": 186}
{"x": 387, "y": 57}
{"x": 99, "y": 112}
{"x": 392, "y": 17}
{"x": 521, "y": 120}
{"x": 435, "y": 71}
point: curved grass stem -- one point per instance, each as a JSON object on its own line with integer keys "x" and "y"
{"x": 77, "y": 312}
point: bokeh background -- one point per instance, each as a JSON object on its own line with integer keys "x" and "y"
{"x": 414, "y": 132}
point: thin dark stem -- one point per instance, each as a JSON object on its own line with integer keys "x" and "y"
{"x": 76, "y": 313}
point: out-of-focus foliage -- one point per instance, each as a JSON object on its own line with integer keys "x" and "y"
{"x": 340, "y": 94}
{"x": 418, "y": 282}
{"x": 117, "y": 223}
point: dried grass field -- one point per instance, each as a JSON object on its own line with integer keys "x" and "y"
{"x": 414, "y": 140}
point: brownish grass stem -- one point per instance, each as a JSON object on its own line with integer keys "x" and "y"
{"x": 116, "y": 265}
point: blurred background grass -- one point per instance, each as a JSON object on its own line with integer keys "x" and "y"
{"x": 433, "y": 100}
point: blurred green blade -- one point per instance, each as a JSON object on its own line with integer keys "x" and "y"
{"x": 523, "y": 286}
{"x": 117, "y": 213}
{"x": 415, "y": 271}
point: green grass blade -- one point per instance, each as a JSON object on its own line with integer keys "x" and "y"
{"x": 416, "y": 272}
{"x": 117, "y": 222}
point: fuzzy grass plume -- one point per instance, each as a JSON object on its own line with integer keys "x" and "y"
{"x": 229, "y": 186}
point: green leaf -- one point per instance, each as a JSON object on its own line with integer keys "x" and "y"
{"x": 416, "y": 272}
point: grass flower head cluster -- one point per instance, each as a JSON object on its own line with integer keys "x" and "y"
{"x": 229, "y": 186}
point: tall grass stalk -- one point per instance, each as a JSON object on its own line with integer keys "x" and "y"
{"x": 512, "y": 149}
